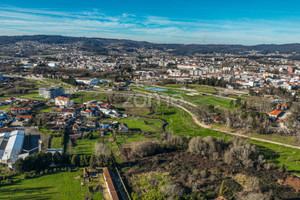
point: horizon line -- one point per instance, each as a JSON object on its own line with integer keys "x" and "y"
{"x": 124, "y": 39}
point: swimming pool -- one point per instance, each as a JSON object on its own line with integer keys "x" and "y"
{"x": 157, "y": 89}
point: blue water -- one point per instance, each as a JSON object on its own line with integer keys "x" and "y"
{"x": 157, "y": 89}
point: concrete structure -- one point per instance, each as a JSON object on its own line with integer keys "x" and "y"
{"x": 11, "y": 144}
{"x": 53, "y": 92}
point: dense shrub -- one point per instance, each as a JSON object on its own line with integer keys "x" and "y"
{"x": 146, "y": 148}
{"x": 175, "y": 142}
{"x": 172, "y": 189}
{"x": 237, "y": 153}
{"x": 208, "y": 146}
{"x": 241, "y": 153}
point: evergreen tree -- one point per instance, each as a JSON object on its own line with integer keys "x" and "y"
{"x": 57, "y": 158}
{"x": 19, "y": 165}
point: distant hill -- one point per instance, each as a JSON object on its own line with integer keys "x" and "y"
{"x": 99, "y": 45}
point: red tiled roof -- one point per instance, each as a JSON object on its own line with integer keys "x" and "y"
{"x": 111, "y": 187}
{"x": 62, "y": 98}
{"x": 275, "y": 112}
{"x": 18, "y": 109}
{"x": 24, "y": 116}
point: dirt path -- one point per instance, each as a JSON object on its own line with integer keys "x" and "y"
{"x": 195, "y": 119}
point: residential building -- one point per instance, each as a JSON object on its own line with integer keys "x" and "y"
{"x": 87, "y": 81}
{"x": 275, "y": 113}
{"x": 52, "y": 92}
{"x": 63, "y": 101}
{"x": 18, "y": 111}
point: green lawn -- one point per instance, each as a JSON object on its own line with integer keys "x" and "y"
{"x": 32, "y": 96}
{"x": 62, "y": 186}
{"x": 48, "y": 109}
{"x": 145, "y": 125}
{"x": 56, "y": 142}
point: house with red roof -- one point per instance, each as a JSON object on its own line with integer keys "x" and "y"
{"x": 86, "y": 113}
{"x": 18, "y": 111}
{"x": 275, "y": 113}
{"x": 24, "y": 117}
{"x": 63, "y": 101}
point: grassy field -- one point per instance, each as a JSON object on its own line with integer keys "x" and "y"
{"x": 61, "y": 185}
{"x": 46, "y": 131}
{"x": 56, "y": 142}
{"x": 50, "y": 83}
{"x": 181, "y": 123}
{"x": 281, "y": 155}
{"x": 85, "y": 146}
{"x": 85, "y": 96}
{"x": 144, "y": 125}
{"x": 50, "y": 109}
{"x": 291, "y": 140}
{"x": 32, "y": 96}
{"x": 198, "y": 88}
{"x": 208, "y": 100}
{"x": 198, "y": 98}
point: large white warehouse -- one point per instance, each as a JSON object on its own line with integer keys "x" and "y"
{"x": 11, "y": 144}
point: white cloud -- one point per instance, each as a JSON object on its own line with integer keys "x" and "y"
{"x": 95, "y": 23}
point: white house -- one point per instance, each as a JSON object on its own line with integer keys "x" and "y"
{"x": 193, "y": 67}
{"x": 53, "y": 64}
{"x": 85, "y": 81}
{"x": 63, "y": 101}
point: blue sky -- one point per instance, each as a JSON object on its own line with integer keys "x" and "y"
{"x": 161, "y": 21}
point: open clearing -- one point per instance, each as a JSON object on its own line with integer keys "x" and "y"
{"x": 62, "y": 185}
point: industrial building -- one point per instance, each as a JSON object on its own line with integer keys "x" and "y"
{"x": 51, "y": 92}
{"x": 11, "y": 145}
